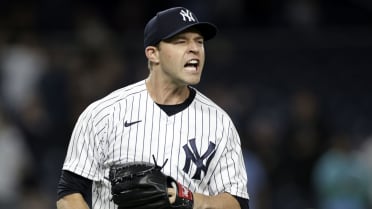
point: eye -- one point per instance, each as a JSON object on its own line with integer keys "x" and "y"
{"x": 200, "y": 41}
{"x": 179, "y": 41}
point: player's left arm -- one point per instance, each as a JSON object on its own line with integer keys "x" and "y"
{"x": 220, "y": 201}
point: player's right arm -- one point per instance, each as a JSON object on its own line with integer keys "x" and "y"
{"x": 75, "y": 201}
{"x": 74, "y": 191}
{"x": 74, "y": 188}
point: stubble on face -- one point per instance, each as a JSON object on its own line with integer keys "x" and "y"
{"x": 182, "y": 58}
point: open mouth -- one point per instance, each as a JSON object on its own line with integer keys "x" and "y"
{"x": 193, "y": 63}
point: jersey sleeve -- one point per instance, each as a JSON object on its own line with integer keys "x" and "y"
{"x": 230, "y": 174}
{"x": 85, "y": 150}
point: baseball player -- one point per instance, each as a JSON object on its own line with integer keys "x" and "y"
{"x": 161, "y": 117}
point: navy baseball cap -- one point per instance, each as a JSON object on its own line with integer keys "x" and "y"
{"x": 170, "y": 22}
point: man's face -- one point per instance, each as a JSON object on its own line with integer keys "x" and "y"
{"x": 181, "y": 58}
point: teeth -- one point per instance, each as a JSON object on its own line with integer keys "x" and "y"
{"x": 193, "y": 62}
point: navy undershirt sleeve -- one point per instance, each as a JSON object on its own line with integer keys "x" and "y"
{"x": 70, "y": 183}
{"x": 244, "y": 203}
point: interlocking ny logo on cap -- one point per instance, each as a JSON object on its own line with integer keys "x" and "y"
{"x": 187, "y": 14}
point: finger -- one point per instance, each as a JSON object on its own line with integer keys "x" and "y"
{"x": 171, "y": 195}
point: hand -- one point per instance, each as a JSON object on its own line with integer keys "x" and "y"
{"x": 172, "y": 195}
{"x": 179, "y": 196}
{"x": 141, "y": 185}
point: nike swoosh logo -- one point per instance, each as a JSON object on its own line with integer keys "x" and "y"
{"x": 127, "y": 124}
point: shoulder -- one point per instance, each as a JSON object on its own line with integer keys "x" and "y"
{"x": 207, "y": 106}
{"x": 109, "y": 103}
{"x": 203, "y": 100}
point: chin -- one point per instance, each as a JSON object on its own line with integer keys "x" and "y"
{"x": 193, "y": 81}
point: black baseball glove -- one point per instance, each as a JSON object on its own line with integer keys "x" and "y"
{"x": 141, "y": 185}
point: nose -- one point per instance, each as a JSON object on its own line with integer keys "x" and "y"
{"x": 194, "y": 47}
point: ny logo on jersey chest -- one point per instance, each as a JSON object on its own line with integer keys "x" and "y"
{"x": 192, "y": 155}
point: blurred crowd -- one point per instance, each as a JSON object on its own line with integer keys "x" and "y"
{"x": 293, "y": 75}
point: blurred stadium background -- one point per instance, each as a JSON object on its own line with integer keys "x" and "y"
{"x": 293, "y": 74}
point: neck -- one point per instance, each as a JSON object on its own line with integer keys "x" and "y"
{"x": 166, "y": 93}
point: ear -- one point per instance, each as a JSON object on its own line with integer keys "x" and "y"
{"x": 152, "y": 54}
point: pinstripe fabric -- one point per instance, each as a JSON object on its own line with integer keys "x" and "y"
{"x": 201, "y": 143}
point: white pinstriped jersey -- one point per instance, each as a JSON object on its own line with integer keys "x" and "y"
{"x": 201, "y": 143}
